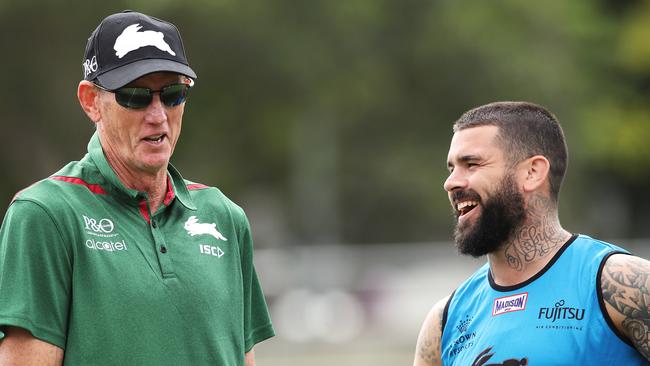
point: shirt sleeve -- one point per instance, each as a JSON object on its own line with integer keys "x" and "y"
{"x": 257, "y": 321}
{"x": 35, "y": 273}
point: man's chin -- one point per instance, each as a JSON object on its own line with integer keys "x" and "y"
{"x": 471, "y": 251}
{"x": 468, "y": 242}
{"x": 154, "y": 164}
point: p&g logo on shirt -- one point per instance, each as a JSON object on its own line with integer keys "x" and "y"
{"x": 102, "y": 226}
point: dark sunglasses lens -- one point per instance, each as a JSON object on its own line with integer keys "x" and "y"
{"x": 174, "y": 95}
{"x": 135, "y": 98}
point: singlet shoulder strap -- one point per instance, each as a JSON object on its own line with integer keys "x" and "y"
{"x": 445, "y": 313}
{"x": 601, "y": 300}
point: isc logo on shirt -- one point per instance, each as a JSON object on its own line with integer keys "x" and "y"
{"x": 509, "y": 304}
{"x": 213, "y": 251}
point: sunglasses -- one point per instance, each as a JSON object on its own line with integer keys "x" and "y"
{"x": 138, "y": 98}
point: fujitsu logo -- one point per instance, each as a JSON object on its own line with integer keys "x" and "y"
{"x": 561, "y": 312}
{"x": 131, "y": 39}
{"x": 509, "y": 304}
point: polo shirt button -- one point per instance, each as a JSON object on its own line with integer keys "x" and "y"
{"x": 163, "y": 249}
{"x": 153, "y": 223}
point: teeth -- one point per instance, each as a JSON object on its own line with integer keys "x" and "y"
{"x": 154, "y": 138}
{"x": 464, "y": 204}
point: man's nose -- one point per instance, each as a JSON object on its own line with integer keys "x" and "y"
{"x": 455, "y": 180}
{"x": 156, "y": 112}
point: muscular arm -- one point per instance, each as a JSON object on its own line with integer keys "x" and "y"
{"x": 625, "y": 285}
{"x": 19, "y": 347}
{"x": 427, "y": 351}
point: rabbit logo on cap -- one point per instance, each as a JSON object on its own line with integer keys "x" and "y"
{"x": 131, "y": 39}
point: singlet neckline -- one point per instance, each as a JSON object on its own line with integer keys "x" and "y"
{"x": 537, "y": 275}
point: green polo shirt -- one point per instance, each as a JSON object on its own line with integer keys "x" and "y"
{"x": 86, "y": 266}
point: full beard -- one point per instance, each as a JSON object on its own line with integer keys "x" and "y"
{"x": 501, "y": 215}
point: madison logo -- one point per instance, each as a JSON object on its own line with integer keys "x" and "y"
{"x": 508, "y": 304}
{"x": 131, "y": 39}
{"x": 194, "y": 227}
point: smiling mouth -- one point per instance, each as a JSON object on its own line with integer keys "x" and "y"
{"x": 463, "y": 208}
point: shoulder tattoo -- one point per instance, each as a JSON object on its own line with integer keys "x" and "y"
{"x": 625, "y": 286}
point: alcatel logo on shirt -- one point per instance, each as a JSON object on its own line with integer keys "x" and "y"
{"x": 508, "y": 304}
{"x": 107, "y": 246}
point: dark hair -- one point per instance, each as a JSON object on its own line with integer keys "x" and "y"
{"x": 525, "y": 130}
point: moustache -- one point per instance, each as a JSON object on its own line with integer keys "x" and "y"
{"x": 468, "y": 195}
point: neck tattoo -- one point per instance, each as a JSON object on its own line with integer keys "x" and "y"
{"x": 537, "y": 237}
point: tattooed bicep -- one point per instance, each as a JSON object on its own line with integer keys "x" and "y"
{"x": 429, "y": 341}
{"x": 625, "y": 284}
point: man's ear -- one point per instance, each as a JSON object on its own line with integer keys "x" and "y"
{"x": 88, "y": 95}
{"x": 536, "y": 170}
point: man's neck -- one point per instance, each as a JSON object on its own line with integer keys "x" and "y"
{"x": 531, "y": 246}
{"x": 154, "y": 184}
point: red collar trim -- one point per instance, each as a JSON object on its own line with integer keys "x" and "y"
{"x": 169, "y": 196}
{"x": 144, "y": 211}
{"x": 194, "y": 186}
{"x": 95, "y": 188}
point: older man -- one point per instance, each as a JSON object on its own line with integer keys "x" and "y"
{"x": 116, "y": 259}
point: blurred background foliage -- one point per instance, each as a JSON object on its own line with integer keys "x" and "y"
{"x": 329, "y": 121}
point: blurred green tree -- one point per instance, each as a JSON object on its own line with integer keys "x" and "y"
{"x": 330, "y": 121}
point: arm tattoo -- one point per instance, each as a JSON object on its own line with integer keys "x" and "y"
{"x": 625, "y": 287}
{"x": 428, "y": 348}
{"x": 536, "y": 239}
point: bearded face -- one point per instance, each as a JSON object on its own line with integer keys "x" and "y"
{"x": 490, "y": 220}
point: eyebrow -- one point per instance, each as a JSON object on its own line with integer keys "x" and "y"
{"x": 464, "y": 159}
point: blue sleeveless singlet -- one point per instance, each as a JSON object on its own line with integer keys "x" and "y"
{"x": 555, "y": 318}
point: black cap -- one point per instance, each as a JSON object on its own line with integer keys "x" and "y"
{"x": 128, "y": 45}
